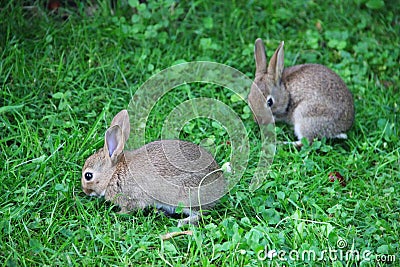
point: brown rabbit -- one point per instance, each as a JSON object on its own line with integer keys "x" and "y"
{"x": 310, "y": 96}
{"x": 164, "y": 174}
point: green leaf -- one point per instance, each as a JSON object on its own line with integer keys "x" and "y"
{"x": 280, "y": 195}
{"x": 271, "y": 216}
{"x": 133, "y": 3}
{"x": 334, "y": 209}
{"x": 216, "y": 125}
{"x": 205, "y": 43}
{"x": 389, "y": 190}
{"x": 135, "y": 18}
{"x": 209, "y": 141}
{"x": 375, "y": 4}
{"x": 382, "y": 123}
{"x": 300, "y": 228}
{"x": 337, "y": 264}
{"x": 208, "y": 23}
{"x": 61, "y": 187}
{"x": 49, "y": 38}
{"x": 9, "y": 108}
{"x": 326, "y": 229}
{"x": 236, "y": 98}
{"x": 169, "y": 247}
{"x": 63, "y": 104}
{"x": 384, "y": 249}
{"x": 35, "y": 245}
{"x": 284, "y": 14}
{"x": 179, "y": 209}
{"x": 39, "y": 159}
{"x": 337, "y": 39}
{"x": 58, "y": 95}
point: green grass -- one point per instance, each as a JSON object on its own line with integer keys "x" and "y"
{"x": 62, "y": 81}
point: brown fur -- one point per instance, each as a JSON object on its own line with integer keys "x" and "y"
{"x": 163, "y": 173}
{"x": 310, "y": 96}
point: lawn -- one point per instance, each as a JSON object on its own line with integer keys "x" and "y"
{"x": 64, "y": 75}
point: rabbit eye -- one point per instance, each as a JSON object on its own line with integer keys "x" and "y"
{"x": 270, "y": 102}
{"x": 88, "y": 176}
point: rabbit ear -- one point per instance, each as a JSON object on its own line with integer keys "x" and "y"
{"x": 122, "y": 120}
{"x": 260, "y": 57}
{"x": 114, "y": 143}
{"x": 275, "y": 66}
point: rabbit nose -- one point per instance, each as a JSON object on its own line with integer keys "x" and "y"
{"x": 88, "y": 192}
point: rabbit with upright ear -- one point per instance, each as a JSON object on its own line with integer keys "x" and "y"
{"x": 164, "y": 174}
{"x": 310, "y": 96}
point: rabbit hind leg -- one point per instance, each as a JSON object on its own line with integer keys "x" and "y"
{"x": 317, "y": 127}
{"x": 193, "y": 217}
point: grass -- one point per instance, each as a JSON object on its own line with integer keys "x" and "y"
{"x": 63, "y": 80}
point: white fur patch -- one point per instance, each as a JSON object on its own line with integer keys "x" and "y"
{"x": 94, "y": 194}
{"x": 297, "y": 131}
{"x": 227, "y": 167}
{"x": 341, "y": 136}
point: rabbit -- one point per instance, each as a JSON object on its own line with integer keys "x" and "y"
{"x": 311, "y": 97}
{"x": 164, "y": 174}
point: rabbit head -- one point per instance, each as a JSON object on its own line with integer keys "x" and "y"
{"x": 268, "y": 91}
{"x": 99, "y": 167}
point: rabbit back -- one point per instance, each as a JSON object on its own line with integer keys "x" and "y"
{"x": 320, "y": 104}
{"x": 157, "y": 174}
